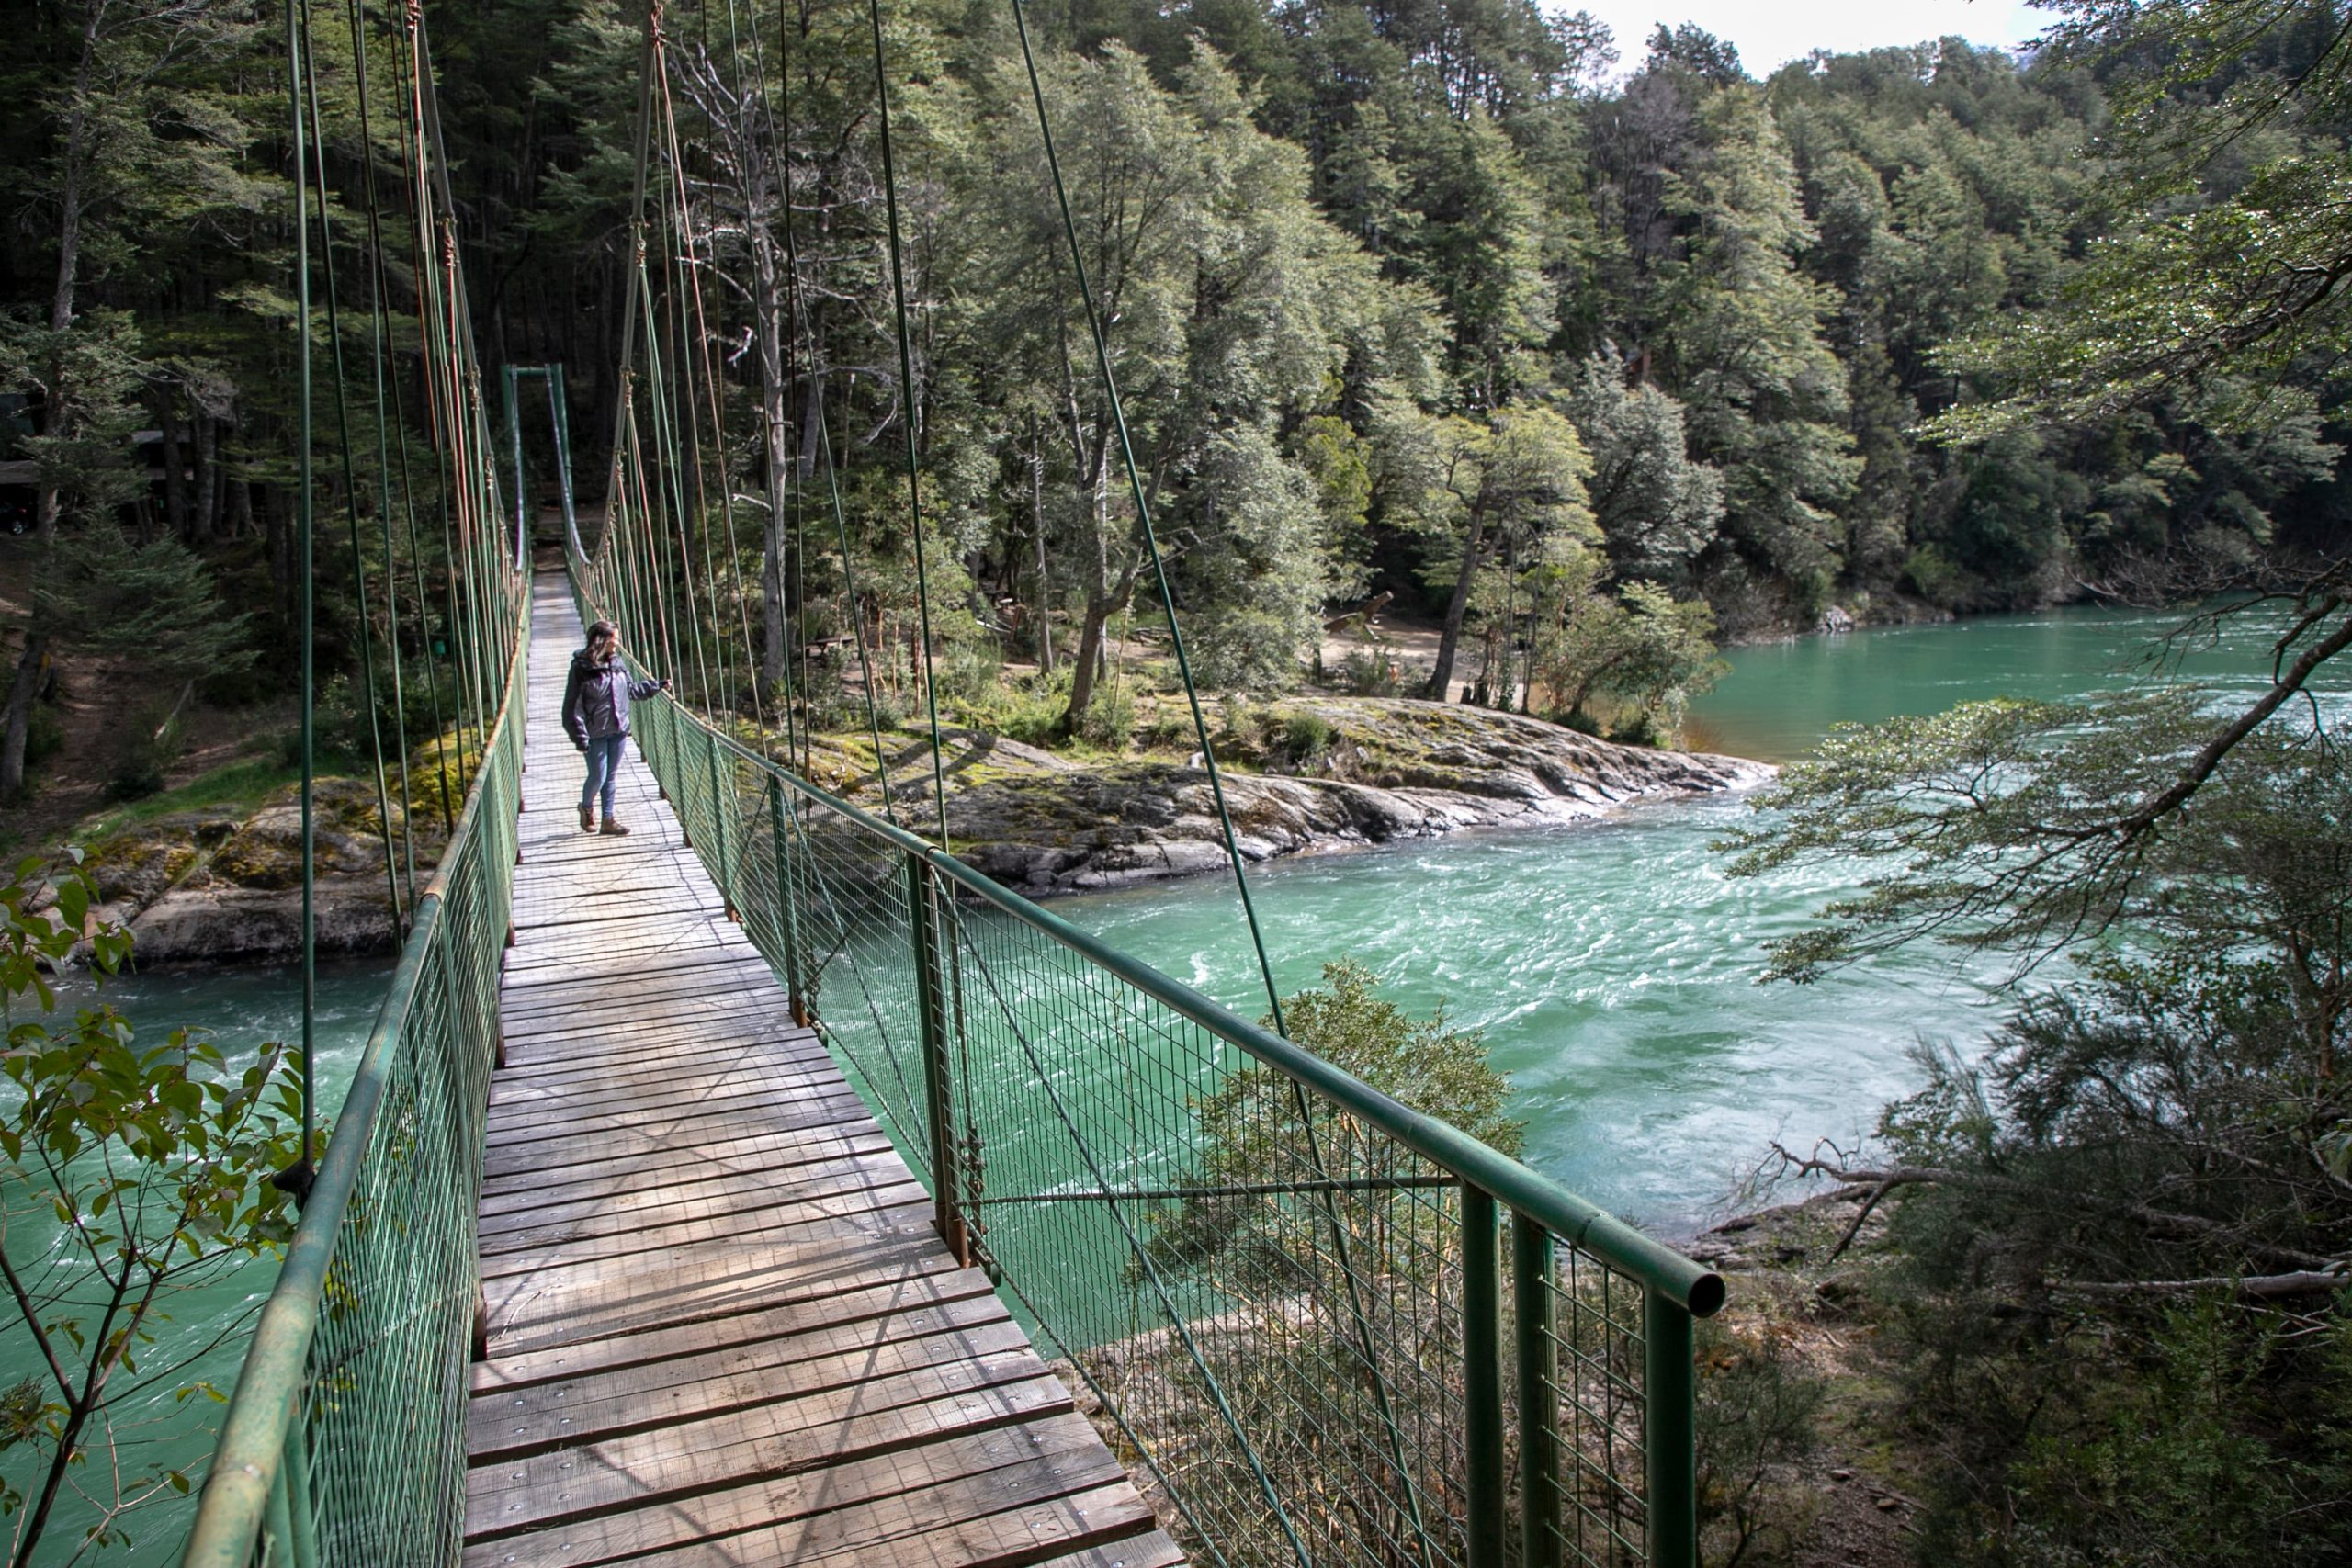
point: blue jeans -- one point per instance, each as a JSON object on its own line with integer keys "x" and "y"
{"x": 603, "y": 769}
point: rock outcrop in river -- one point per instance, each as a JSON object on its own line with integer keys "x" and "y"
{"x": 224, "y": 885}
{"x": 1308, "y": 774}
{"x": 1352, "y": 772}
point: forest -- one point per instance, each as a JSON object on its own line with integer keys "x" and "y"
{"x": 1593, "y": 351}
{"x": 1588, "y": 356}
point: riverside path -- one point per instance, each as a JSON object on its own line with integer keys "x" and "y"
{"x": 718, "y": 1327}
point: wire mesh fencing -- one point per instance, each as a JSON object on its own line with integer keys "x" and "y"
{"x": 346, "y": 1443}
{"x": 1320, "y": 1328}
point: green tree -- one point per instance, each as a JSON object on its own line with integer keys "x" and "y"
{"x": 137, "y": 1173}
{"x": 1740, "y": 343}
{"x": 1638, "y": 648}
{"x": 2229, "y": 236}
{"x": 1656, "y": 507}
{"x": 1477, "y": 488}
{"x": 1232, "y": 312}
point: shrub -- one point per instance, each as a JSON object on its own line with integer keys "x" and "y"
{"x": 1307, "y": 738}
{"x": 1170, "y": 728}
{"x": 145, "y": 750}
{"x": 1756, "y": 1413}
{"x": 968, "y": 675}
{"x": 1372, "y": 673}
{"x": 1109, "y": 719}
{"x": 44, "y": 734}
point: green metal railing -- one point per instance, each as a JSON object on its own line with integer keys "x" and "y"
{"x": 1325, "y": 1328}
{"x": 345, "y": 1442}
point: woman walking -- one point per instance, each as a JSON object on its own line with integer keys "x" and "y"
{"x": 595, "y": 715}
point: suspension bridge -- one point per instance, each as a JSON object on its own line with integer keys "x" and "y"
{"x": 769, "y": 1186}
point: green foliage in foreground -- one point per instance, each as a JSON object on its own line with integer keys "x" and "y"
{"x": 1252, "y": 1130}
{"x": 136, "y": 1172}
{"x": 2124, "y": 1235}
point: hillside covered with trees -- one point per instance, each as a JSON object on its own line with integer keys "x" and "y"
{"x": 1590, "y": 351}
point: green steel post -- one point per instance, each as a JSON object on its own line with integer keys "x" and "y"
{"x": 718, "y": 799}
{"x": 297, "y": 1473}
{"x": 1537, "y": 1317}
{"x": 932, "y": 1002}
{"x": 276, "y": 1530}
{"x": 301, "y": 1172}
{"x": 787, "y": 902}
{"x": 1669, "y": 1430}
{"x": 559, "y": 416}
{"x": 1482, "y": 1377}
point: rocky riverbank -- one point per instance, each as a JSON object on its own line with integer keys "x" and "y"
{"x": 1306, "y": 775}
{"x": 223, "y": 885}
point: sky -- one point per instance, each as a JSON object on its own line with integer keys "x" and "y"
{"x": 1769, "y": 33}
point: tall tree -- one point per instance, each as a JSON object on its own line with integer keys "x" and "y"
{"x": 1476, "y": 486}
{"x": 1740, "y": 343}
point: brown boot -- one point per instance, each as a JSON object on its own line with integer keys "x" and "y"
{"x": 612, "y": 830}
{"x": 587, "y": 818}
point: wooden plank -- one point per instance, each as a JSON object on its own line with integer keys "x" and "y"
{"x": 799, "y": 1241}
{"x": 1153, "y": 1549}
{"x": 650, "y": 1039}
{"x": 632, "y": 995}
{"x": 672, "y": 950}
{"x": 668, "y": 1392}
{"x": 531, "y": 1321}
{"x": 648, "y": 1205}
{"x": 1098, "y": 1515}
{"x": 829, "y": 1127}
{"x": 724, "y": 1100}
{"x": 510, "y": 1164}
{"x": 779, "y": 1520}
{"x": 718, "y": 1073}
{"x": 561, "y": 1065}
{"x": 514, "y": 1495}
{"x": 620, "y": 1185}
{"x": 570, "y": 1250}
{"x": 960, "y": 1295}
{"x": 555, "y": 1078}
{"x": 554, "y": 1054}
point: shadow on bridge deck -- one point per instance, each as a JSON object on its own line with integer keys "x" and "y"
{"x": 720, "y": 1329}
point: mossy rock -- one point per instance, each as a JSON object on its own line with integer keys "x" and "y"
{"x": 267, "y": 852}
{"x": 137, "y": 866}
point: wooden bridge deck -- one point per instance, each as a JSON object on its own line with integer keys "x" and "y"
{"x": 720, "y": 1328}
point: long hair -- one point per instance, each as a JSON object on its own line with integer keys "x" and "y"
{"x": 601, "y": 638}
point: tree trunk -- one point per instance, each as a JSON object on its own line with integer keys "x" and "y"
{"x": 1037, "y": 527}
{"x": 59, "y": 418}
{"x": 211, "y": 487}
{"x": 174, "y": 478}
{"x": 1100, "y": 602}
{"x": 1450, "y": 637}
{"x": 32, "y": 665}
{"x": 767, "y": 303}
{"x": 1084, "y": 667}
{"x": 241, "y": 506}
